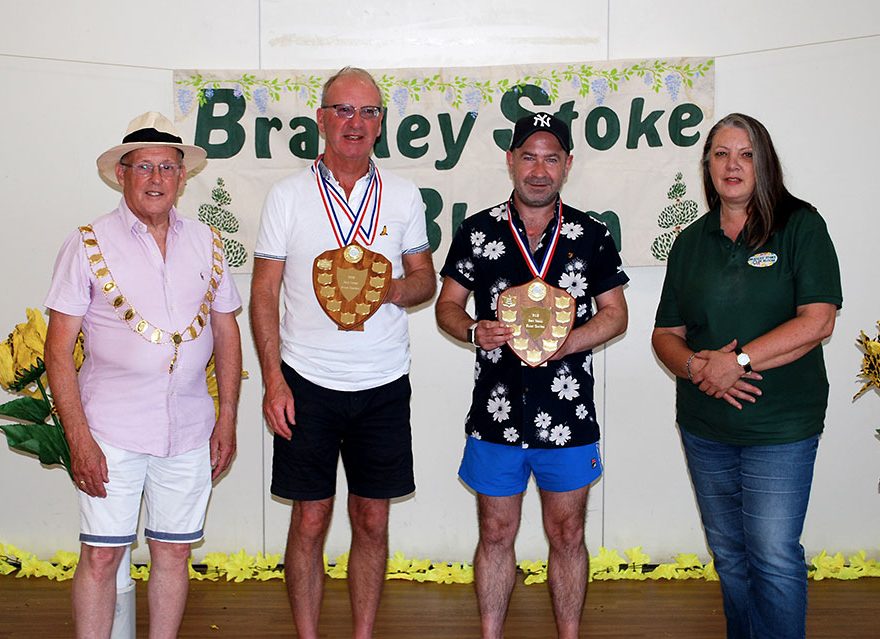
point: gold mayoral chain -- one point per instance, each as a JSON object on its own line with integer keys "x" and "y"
{"x": 129, "y": 314}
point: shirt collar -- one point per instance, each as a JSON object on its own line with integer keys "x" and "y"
{"x": 713, "y": 222}
{"x": 517, "y": 220}
{"x": 136, "y": 226}
{"x": 327, "y": 174}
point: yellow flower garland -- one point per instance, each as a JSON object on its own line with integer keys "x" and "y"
{"x": 606, "y": 566}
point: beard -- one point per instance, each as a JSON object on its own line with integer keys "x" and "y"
{"x": 537, "y": 200}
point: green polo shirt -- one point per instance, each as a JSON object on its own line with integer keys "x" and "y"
{"x": 720, "y": 290}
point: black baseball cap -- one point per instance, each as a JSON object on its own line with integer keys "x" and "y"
{"x": 535, "y": 122}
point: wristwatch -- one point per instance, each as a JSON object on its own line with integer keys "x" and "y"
{"x": 743, "y": 359}
{"x": 472, "y": 334}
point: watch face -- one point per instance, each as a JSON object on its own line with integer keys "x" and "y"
{"x": 742, "y": 359}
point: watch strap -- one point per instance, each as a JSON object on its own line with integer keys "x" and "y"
{"x": 747, "y": 367}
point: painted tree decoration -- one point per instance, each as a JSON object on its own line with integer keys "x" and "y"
{"x": 215, "y": 215}
{"x": 675, "y": 217}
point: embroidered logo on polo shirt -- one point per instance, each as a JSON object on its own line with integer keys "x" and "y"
{"x": 763, "y": 260}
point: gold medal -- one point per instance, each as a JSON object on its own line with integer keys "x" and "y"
{"x": 353, "y": 253}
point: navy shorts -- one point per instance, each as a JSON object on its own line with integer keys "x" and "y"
{"x": 370, "y": 429}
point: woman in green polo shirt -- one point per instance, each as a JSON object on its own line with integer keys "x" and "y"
{"x": 752, "y": 288}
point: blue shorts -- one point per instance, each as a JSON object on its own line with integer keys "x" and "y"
{"x": 499, "y": 470}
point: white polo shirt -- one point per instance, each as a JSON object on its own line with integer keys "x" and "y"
{"x": 295, "y": 228}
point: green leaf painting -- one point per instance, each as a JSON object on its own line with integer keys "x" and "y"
{"x": 674, "y": 217}
{"x": 215, "y": 214}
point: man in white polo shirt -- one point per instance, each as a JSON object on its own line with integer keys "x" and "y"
{"x": 342, "y": 237}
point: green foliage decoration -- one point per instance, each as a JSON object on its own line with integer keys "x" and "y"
{"x": 461, "y": 91}
{"x": 674, "y": 217}
{"x": 215, "y": 214}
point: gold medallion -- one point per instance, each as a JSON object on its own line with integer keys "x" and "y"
{"x": 537, "y": 290}
{"x": 353, "y": 253}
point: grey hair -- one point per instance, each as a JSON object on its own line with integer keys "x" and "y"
{"x": 356, "y": 71}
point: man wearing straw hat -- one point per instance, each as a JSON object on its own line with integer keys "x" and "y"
{"x": 151, "y": 294}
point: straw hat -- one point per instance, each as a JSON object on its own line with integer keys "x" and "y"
{"x": 146, "y": 130}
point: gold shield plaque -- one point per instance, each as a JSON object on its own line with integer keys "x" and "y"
{"x": 350, "y": 283}
{"x": 541, "y": 317}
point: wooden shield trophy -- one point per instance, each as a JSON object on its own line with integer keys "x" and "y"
{"x": 541, "y": 317}
{"x": 350, "y": 284}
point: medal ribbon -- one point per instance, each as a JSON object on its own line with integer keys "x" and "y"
{"x": 523, "y": 243}
{"x": 368, "y": 208}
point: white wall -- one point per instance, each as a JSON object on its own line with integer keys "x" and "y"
{"x": 74, "y": 73}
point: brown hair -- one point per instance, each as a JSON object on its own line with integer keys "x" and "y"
{"x": 765, "y": 216}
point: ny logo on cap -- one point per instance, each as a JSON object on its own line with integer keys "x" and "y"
{"x": 542, "y": 119}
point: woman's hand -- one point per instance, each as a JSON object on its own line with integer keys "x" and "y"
{"x": 718, "y": 374}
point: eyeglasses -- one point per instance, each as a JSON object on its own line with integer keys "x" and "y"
{"x": 145, "y": 169}
{"x": 347, "y": 111}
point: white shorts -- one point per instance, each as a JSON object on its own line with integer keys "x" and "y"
{"x": 175, "y": 491}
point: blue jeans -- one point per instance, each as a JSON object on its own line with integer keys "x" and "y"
{"x": 752, "y": 501}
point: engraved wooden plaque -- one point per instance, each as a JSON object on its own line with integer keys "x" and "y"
{"x": 541, "y": 317}
{"x": 350, "y": 284}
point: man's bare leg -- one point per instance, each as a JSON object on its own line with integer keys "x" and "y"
{"x": 495, "y": 560}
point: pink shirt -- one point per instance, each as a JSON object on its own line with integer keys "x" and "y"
{"x": 130, "y": 399}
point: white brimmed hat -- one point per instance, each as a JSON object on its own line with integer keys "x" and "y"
{"x": 146, "y": 130}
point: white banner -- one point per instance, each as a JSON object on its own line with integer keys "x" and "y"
{"x": 638, "y": 129}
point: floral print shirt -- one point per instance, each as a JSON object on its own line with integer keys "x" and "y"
{"x": 551, "y": 405}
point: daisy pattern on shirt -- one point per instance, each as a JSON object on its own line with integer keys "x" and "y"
{"x": 565, "y": 387}
{"x": 495, "y": 291}
{"x": 499, "y": 213}
{"x": 477, "y": 239}
{"x": 510, "y": 434}
{"x": 466, "y": 268}
{"x": 542, "y": 426}
{"x": 572, "y": 230}
{"x": 582, "y": 310}
{"x": 493, "y": 250}
{"x": 477, "y": 369}
{"x": 494, "y": 355}
{"x": 588, "y": 360}
{"x": 574, "y": 283}
{"x": 560, "y": 435}
{"x": 581, "y": 411}
{"x": 499, "y": 408}
{"x": 476, "y": 435}
{"x": 542, "y": 420}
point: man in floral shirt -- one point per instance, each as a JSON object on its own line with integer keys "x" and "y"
{"x": 526, "y": 420}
